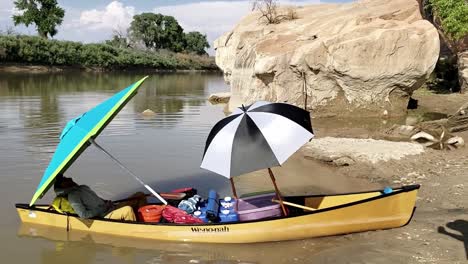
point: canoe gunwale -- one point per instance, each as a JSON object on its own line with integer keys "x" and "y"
{"x": 399, "y": 190}
{"x": 405, "y": 188}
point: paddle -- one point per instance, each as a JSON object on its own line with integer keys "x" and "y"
{"x": 128, "y": 171}
{"x": 294, "y": 205}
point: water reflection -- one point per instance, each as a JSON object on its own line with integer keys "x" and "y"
{"x": 88, "y": 247}
{"x": 41, "y": 104}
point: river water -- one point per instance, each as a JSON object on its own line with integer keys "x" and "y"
{"x": 164, "y": 149}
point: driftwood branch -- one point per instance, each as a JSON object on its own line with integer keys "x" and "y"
{"x": 458, "y": 121}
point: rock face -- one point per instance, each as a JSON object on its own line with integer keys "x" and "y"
{"x": 463, "y": 70}
{"x": 358, "y": 58}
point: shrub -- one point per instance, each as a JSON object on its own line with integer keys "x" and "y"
{"x": 453, "y": 15}
{"x": 36, "y": 50}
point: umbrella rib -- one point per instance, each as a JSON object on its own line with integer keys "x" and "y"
{"x": 128, "y": 171}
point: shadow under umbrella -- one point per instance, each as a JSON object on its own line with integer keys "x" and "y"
{"x": 201, "y": 181}
{"x": 460, "y": 226}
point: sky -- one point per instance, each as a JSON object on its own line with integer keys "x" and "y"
{"x": 95, "y": 20}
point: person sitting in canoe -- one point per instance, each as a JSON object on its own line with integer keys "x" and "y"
{"x": 81, "y": 200}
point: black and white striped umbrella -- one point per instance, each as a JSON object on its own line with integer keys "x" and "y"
{"x": 255, "y": 137}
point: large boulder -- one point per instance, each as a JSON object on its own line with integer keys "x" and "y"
{"x": 364, "y": 58}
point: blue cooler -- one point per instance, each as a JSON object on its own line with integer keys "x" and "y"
{"x": 227, "y": 210}
{"x": 201, "y": 214}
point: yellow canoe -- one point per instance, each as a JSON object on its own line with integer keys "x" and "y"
{"x": 334, "y": 215}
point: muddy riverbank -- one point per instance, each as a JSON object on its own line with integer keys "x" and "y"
{"x": 36, "y": 68}
{"x": 438, "y": 232}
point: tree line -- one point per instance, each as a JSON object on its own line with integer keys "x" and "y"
{"x": 42, "y": 51}
{"x": 153, "y": 41}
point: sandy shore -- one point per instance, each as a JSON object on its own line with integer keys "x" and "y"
{"x": 438, "y": 232}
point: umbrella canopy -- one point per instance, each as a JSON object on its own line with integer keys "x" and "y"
{"x": 255, "y": 137}
{"x": 77, "y": 133}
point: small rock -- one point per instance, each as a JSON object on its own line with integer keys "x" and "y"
{"x": 148, "y": 112}
{"x": 220, "y": 98}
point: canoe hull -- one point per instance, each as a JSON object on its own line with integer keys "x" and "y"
{"x": 380, "y": 212}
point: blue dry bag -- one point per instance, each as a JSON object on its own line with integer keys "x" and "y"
{"x": 212, "y": 206}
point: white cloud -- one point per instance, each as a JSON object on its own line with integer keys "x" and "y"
{"x": 213, "y": 18}
{"x": 6, "y": 6}
{"x": 207, "y": 16}
{"x": 115, "y": 15}
{"x": 6, "y": 10}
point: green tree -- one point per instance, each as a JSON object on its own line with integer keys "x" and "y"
{"x": 45, "y": 14}
{"x": 157, "y": 31}
{"x": 196, "y": 42}
{"x": 453, "y": 15}
{"x": 173, "y": 34}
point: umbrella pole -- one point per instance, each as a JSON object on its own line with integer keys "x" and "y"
{"x": 233, "y": 188}
{"x": 234, "y": 192}
{"x": 129, "y": 172}
{"x": 277, "y": 191}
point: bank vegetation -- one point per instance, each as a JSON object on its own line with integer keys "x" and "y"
{"x": 33, "y": 50}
